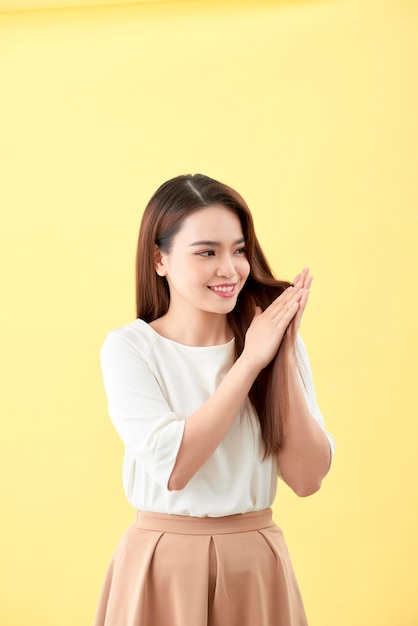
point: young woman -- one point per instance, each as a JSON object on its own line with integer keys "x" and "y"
{"x": 210, "y": 389}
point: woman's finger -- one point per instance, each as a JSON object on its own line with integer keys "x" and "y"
{"x": 286, "y": 312}
{"x": 308, "y": 281}
{"x": 301, "y": 277}
{"x": 294, "y": 293}
{"x": 303, "y": 303}
{"x": 290, "y": 295}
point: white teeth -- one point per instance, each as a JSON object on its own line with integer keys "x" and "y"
{"x": 224, "y": 289}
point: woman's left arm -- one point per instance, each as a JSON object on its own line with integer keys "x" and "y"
{"x": 307, "y": 450}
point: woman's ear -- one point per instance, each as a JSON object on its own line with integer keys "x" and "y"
{"x": 159, "y": 262}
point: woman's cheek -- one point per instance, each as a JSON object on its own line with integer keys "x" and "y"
{"x": 245, "y": 268}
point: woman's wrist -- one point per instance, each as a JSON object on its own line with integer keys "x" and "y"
{"x": 247, "y": 366}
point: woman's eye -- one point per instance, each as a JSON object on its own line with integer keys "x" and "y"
{"x": 241, "y": 251}
{"x": 206, "y": 253}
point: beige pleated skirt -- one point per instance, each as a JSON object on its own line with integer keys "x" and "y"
{"x": 175, "y": 570}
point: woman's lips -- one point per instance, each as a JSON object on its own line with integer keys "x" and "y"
{"x": 225, "y": 291}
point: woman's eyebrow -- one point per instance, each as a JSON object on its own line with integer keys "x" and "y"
{"x": 205, "y": 242}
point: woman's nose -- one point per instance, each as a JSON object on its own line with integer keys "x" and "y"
{"x": 226, "y": 267}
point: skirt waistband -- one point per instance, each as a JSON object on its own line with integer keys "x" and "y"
{"x": 190, "y": 525}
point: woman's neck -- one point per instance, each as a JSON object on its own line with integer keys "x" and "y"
{"x": 204, "y": 329}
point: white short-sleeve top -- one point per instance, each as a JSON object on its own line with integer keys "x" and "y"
{"x": 152, "y": 385}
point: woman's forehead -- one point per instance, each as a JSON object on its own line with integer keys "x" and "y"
{"x": 215, "y": 221}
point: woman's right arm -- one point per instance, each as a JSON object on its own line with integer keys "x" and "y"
{"x": 205, "y": 429}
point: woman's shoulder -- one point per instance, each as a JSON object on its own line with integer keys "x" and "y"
{"x": 136, "y": 335}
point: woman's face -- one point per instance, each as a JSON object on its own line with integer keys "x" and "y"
{"x": 207, "y": 265}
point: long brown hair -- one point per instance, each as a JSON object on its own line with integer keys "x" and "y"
{"x": 162, "y": 219}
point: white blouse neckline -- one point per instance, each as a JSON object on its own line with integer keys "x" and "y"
{"x": 184, "y": 345}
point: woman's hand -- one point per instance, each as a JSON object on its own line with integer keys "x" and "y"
{"x": 306, "y": 280}
{"x": 267, "y": 329}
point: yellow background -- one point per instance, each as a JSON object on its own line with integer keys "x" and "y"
{"x": 309, "y": 109}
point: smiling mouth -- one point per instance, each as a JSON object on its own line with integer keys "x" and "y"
{"x": 223, "y": 288}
